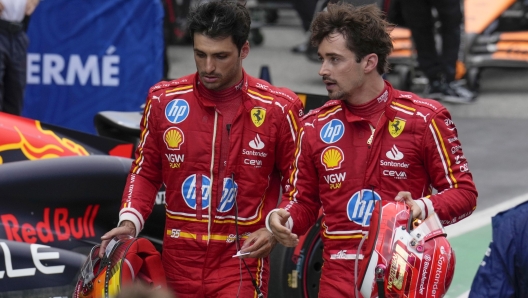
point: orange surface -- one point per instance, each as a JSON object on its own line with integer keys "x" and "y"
{"x": 402, "y": 44}
{"x": 480, "y": 13}
{"x": 399, "y": 32}
{"x": 512, "y": 46}
{"x": 401, "y": 53}
{"x": 514, "y": 36}
{"x": 510, "y": 55}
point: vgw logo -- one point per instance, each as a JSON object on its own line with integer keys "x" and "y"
{"x": 332, "y": 131}
{"x": 361, "y": 205}
{"x": 189, "y": 190}
{"x": 48, "y": 69}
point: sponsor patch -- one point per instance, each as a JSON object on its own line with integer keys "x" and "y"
{"x": 332, "y": 157}
{"x": 344, "y": 254}
{"x": 256, "y": 143}
{"x": 177, "y": 110}
{"x": 335, "y": 180}
{"x": 394, "y": 153}
{"x": 395, "y": 174}
{"x": 173, "y": 138}
{"x": 332, "y": 131}
{"x": 361, "y": 205}
{"x": 229, "y": 193}
{"x": 189, "y": 189}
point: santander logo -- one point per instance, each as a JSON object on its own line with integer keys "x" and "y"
{"x": 256, "y": 143}
{"x": 394, "y": 153}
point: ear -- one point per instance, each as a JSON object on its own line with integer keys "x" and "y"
{"x": 244, "y": 51}
{"x": 371, "y": 62}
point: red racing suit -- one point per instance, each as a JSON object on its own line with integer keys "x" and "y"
{"x": 179, "y": 147}
{"x": 343, "y": 166}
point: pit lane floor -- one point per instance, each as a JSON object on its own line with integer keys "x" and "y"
{"x": 493, "y": 131}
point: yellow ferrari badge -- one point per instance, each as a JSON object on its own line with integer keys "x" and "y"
{"x": 258, "y": 115}
{"x": 396, "y": 127}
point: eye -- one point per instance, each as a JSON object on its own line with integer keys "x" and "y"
{"x": 221, "y": 56}
{"x": 199, "y": 54}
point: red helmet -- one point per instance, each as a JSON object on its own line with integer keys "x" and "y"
{"x": 405, "y": 258}
{"x": 126, "y": 260}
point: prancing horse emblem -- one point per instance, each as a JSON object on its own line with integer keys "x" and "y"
{"x": 396, "y": 127}
{"x": 258, "y": 115}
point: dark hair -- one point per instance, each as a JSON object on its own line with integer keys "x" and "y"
{"x": 221, "y": 19}
{"x": 364, "y": 28}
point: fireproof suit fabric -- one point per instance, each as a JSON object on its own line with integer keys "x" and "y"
{"x": 179, "y": 147}
{"x": 503, "y": 271}
{"x": 415, "y": 147}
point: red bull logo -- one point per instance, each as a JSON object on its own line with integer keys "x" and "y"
{"x": 28, "y": 137}
{"x": 56, "y": 225}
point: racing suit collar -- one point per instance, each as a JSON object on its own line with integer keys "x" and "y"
{"x": 389, "y": 113}
{"x": 247, "y": 101}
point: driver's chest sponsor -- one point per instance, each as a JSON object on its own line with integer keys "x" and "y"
{"x": 392, "y": 163}
{"x": 255, "y": 155}
{"x": 335, "y": 180}
{"x": 196, "y": 192}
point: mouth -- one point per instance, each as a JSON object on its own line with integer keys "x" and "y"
{"x": 206, "y": 78}
{"x": 329, "y": 84}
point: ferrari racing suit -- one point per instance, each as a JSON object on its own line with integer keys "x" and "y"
{"x": 179, "y": 148}
{"x": 344, "y": 165}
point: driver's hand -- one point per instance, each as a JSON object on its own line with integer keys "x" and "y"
{"x": 126, "y": 228}
{"x": 284, "y": 235}
{"x": 406, "y": 197}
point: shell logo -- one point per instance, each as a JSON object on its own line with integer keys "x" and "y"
{"x": 332, "y": 158}
{"x": 173, "y": 138}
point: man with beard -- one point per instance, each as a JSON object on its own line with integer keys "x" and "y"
{"x": 221, "y": 142}
{"x": 370, "y": 142}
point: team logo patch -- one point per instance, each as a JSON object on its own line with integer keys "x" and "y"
{"x": 173, "y": 138}
{"x": 189, "y": 188}
{"x": 256, "y": 143}
{"x": 228, "y": 195}
{"x": 177, "y": 111}
{"x": 396, "y": 127}
{"x": 332, "y": 131}
{"x": 361, "y": 205}
{"x": 258, "y": 115}
{"x": 332, "y": 157}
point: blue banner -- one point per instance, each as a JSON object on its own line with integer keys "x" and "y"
{"x": 87, "y": 56}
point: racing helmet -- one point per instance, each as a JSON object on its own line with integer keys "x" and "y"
{"x": 405, "y": 257}
{"x": 125, "y": 261}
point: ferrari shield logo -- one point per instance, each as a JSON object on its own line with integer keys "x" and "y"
{"x": 396, "y": 127}
{"x": 258, "y": 115}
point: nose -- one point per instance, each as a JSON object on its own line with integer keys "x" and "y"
{"x": 210, "y": 65}
{"x": 323, "y": 70}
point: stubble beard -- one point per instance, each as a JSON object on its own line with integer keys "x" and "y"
{"x": 339, "y": 95}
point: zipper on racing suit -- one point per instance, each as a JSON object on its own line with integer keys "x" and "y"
{"x": 212, "y": 175}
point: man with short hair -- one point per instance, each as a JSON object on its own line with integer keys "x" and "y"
{"x": 369, "y": 143}
{"x": 221, "y": 142}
